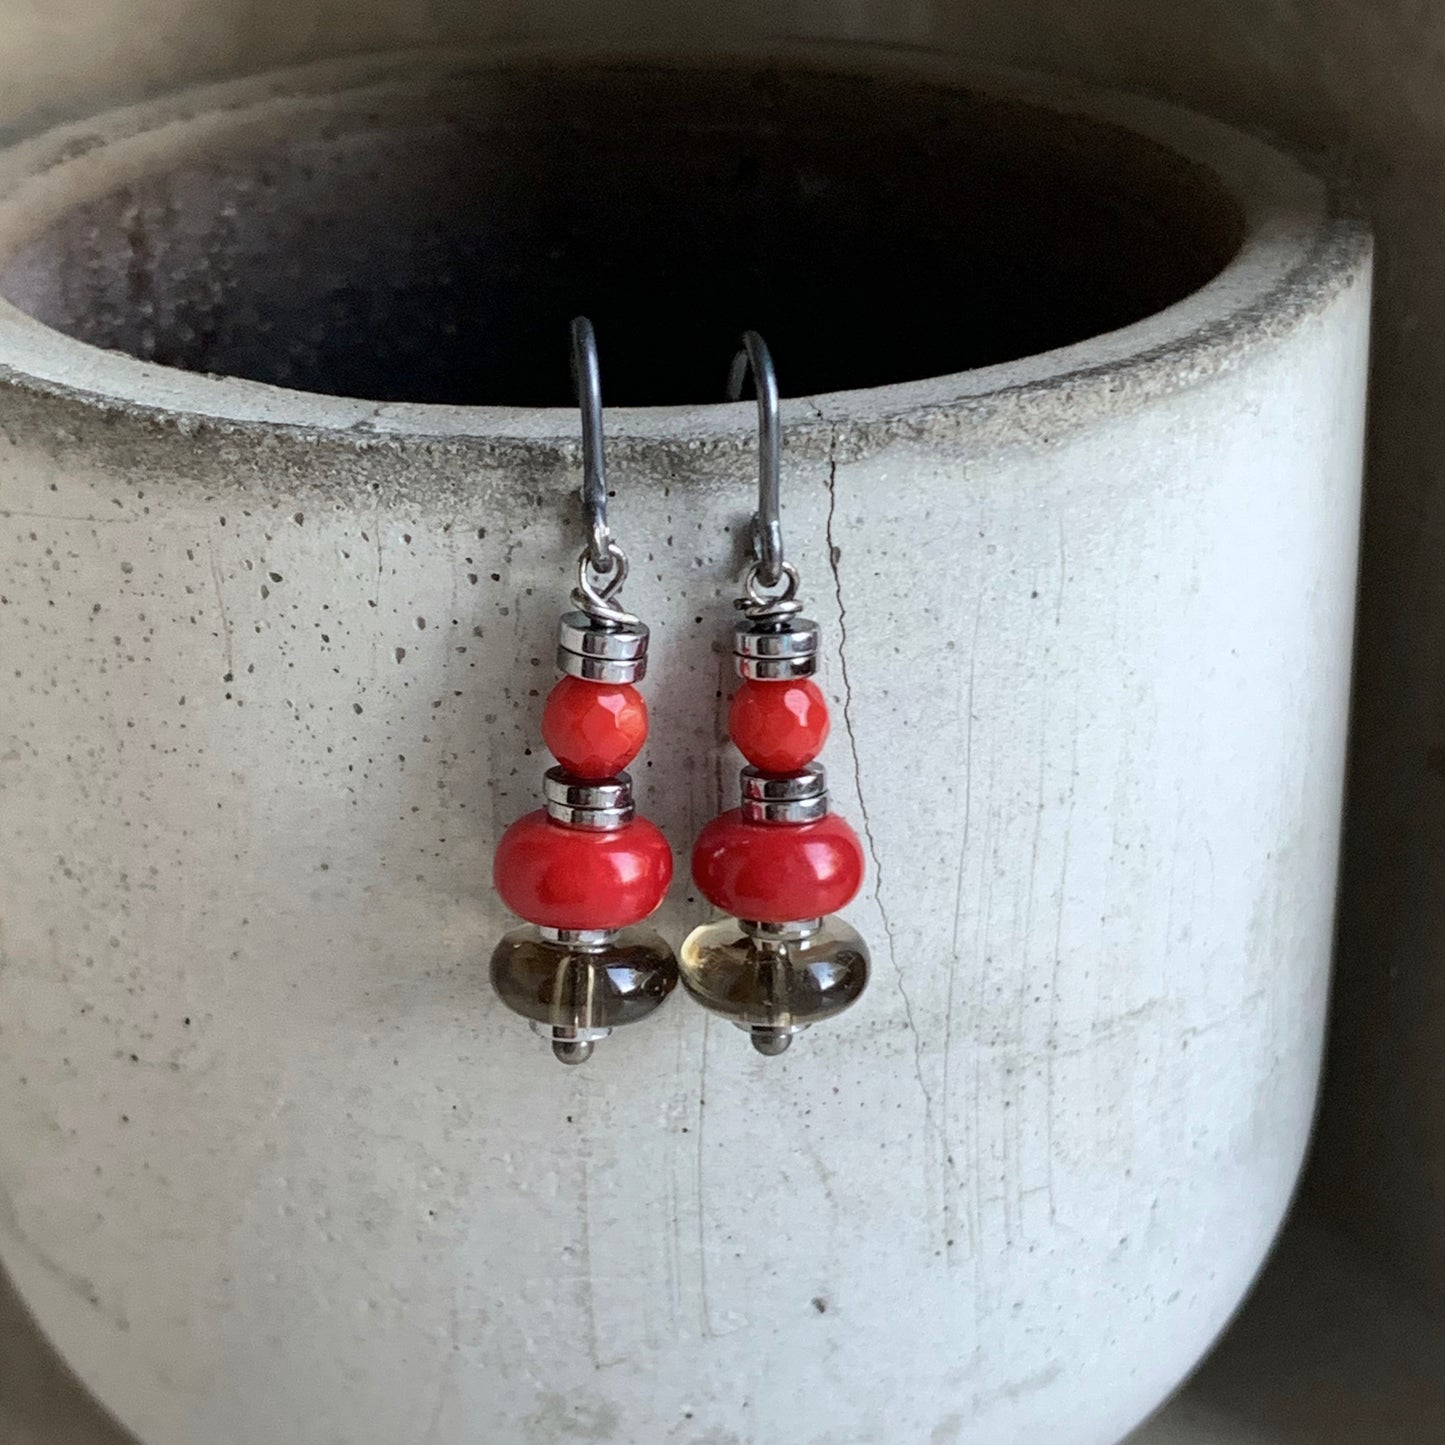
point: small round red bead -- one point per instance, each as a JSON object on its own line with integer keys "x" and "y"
{"x": 594, "y": 729}
{"x": 777, "y": 872}
{"x": 560, "y": 877}
{"x": 779, "y": 726}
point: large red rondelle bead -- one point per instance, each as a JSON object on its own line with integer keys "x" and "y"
{"x": 779, "y": 726}
{"x": 777, "y": 872}
{"x": 594, "y": 729}
{"x": 560, "y": 877}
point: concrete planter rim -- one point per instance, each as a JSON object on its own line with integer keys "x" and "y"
{"x": 1300, "y": 246}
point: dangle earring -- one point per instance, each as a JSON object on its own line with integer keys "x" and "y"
{"x": 781, "y": 863}
{"x": 584, "y": 870}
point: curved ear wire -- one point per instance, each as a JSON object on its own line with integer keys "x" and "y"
{"x": 768, "y": 521}
{"x": 602, "y": 568}
{"x": 587, "y": 387}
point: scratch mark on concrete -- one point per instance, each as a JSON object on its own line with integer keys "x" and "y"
{"x": 1018, "y": 1389}
{"x": 1034, "y": 862}
{"x": 367, "y": 421}
{"x": 707, "y": 1329}
{"x": 674, "y": 1261}
{"x": 447, "y": 1378}
{"x": 589, "y": 1296}
{"x": 953, "y": 962}
{"x": 1052, "y": 1041}
{"x": 221, "y": 605}
{"x": 76, "y": 1283}
{"x": 1063, "y": 573}
{"x": 62, "y": 517}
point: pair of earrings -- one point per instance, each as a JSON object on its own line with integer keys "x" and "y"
{"x": 585, "y": 870}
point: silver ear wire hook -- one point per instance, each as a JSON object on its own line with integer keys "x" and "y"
{"x": 587, "y": 387}
{"x": 602, "y": 558}
{"x": 768, "y": 523}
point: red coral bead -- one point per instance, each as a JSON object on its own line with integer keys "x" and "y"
{"x": 777, "y": 872}
{"x": 560, "y": 877}
{"x": 594, "y": 729}
{"x": 779, "y": 726}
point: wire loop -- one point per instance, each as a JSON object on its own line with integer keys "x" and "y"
{"x": 760, "y": 603}
{"x": 596, "y": 598}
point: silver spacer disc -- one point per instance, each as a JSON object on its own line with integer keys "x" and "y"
{"x": 601, "y": 651}
{"x": 800, "y": 797}
{"x": 796, "y": 932}
{"x": 567, "y": 1033}
{"x": 776, "y": 652}
{"x": 601, "y": 805}
{"x": 580, "y": 940}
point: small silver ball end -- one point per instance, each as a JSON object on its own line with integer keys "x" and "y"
{"x": 771, "y": 1042}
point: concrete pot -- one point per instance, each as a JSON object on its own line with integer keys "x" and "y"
{"x": 1075, "y": 497}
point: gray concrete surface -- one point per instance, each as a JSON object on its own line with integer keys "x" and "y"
{"x": 1326, "y": 1352}
{"x": 1361, "y": 83}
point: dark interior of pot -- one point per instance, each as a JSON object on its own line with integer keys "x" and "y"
{"x": 432, "y": 245}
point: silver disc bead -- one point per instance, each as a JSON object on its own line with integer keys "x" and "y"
{"x": 598, "y": 651}
{"x": 601, "y": 805}
{"x": 776, "y": 651}
{"x": 800, "y": 797}
{"x": 581, "y": 940}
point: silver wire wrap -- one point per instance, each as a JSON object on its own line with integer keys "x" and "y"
{"x": 759, "y": 605}
{"x": 596, "y": 600}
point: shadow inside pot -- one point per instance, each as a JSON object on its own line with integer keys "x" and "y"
{"x": 429, "y": 243}
{"x": 41, "y": 1402}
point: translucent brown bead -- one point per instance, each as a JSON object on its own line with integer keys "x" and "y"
{"x": 774, "y": 982}
{"x": 576, "y": 992}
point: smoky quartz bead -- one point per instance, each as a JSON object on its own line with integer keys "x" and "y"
{"x": 575, "y": 987}
{"x": 774, "y": 980}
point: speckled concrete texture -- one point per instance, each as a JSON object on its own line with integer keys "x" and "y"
{"x": 275, "y": 1164}
{"x": 1358, "y": 82}
{"x": 1327, "y": 1352}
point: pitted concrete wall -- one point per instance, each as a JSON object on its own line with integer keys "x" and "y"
{"x": 1359, "y": 80}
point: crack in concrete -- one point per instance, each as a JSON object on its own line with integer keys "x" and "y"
{"x": 9, "y": 515}
{"x": 221, "y": 606}
{"x": 930, "y": 1120}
